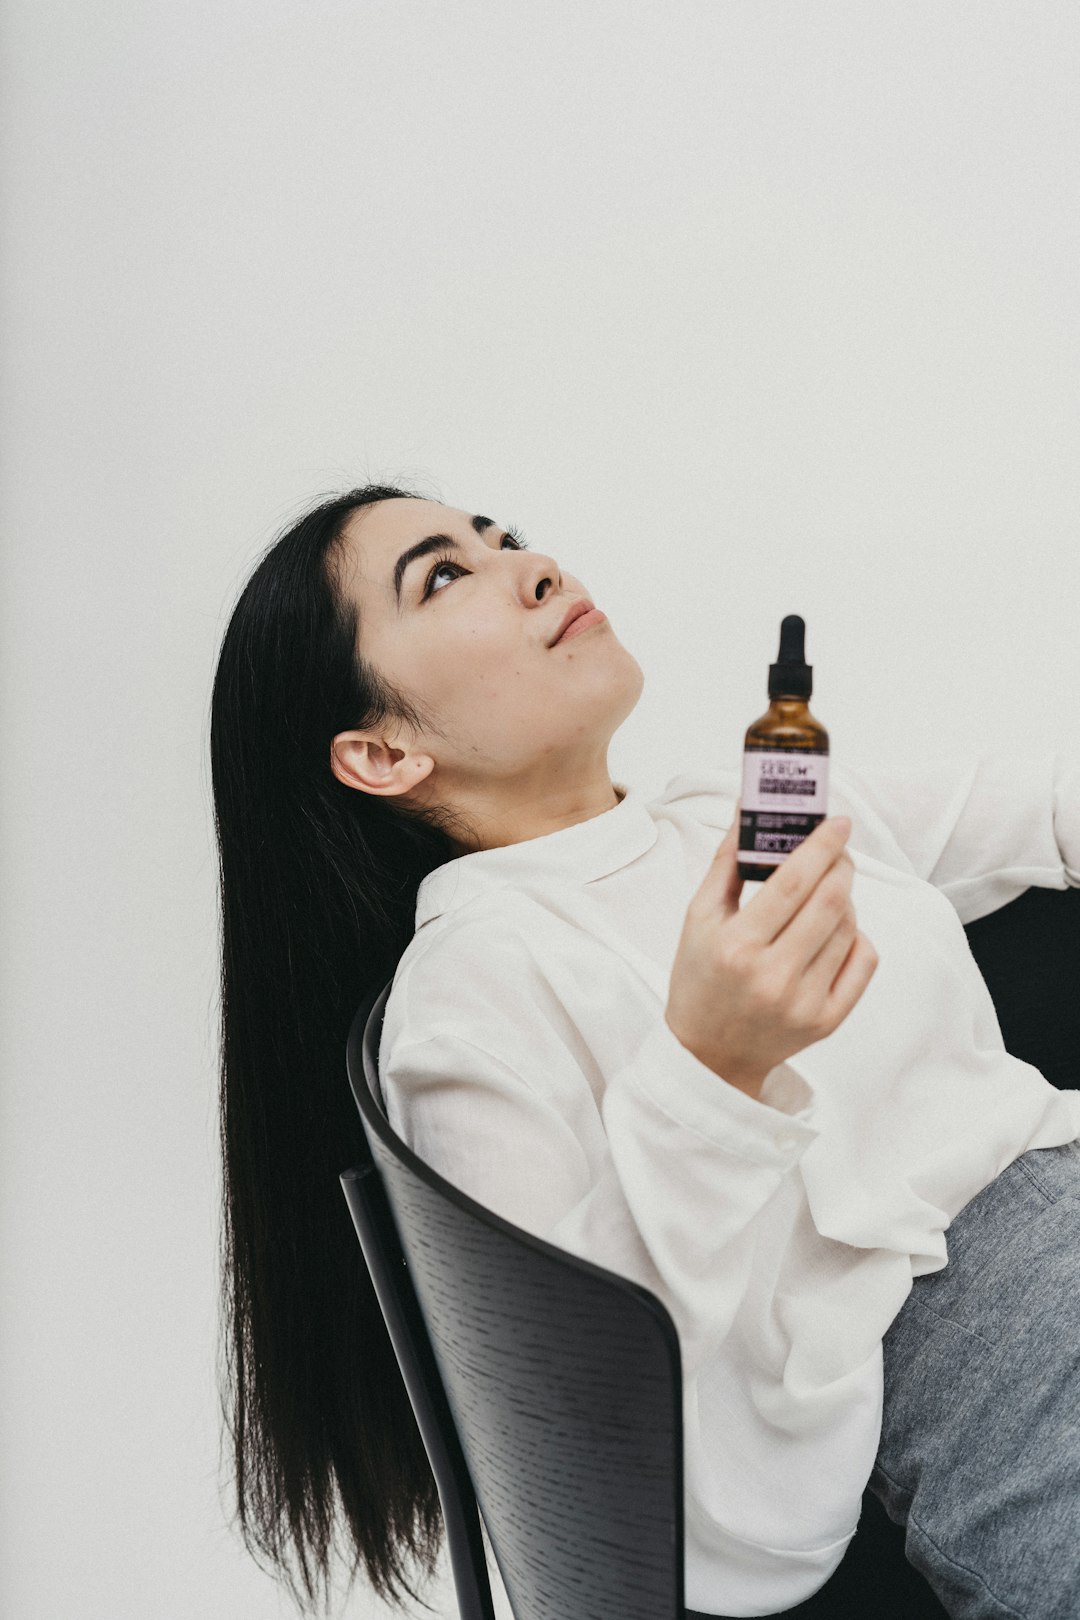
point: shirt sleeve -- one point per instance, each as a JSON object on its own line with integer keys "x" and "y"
{"x": 665, "y": 1195}
{"x": 983, "y": 829}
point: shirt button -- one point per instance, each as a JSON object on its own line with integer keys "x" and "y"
{"x": 786, "y": 1140}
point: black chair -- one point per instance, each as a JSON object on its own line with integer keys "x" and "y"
{"x": 548, "y": 1391}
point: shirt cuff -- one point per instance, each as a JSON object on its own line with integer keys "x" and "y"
{"x": 774, "y": 1131}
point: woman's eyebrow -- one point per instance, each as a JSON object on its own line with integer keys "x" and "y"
{"x": 432, "y": 542}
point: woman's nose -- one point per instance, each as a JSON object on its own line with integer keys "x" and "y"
{"x": 545, "y": 574}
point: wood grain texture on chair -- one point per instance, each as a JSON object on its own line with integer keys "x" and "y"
{"x": 565, "y": 1388}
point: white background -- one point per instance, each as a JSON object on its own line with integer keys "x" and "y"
{"x": 737, "y": 309}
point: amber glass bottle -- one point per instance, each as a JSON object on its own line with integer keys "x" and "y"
{"x": 785, "y": 778}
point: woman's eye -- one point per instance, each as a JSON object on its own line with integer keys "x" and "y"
{"x": 513, "y": 537}
{"x": 445, "y": 562}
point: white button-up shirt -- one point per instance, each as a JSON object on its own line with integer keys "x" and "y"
{"x": 525, "y": 1056}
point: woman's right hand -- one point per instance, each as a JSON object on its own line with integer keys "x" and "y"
{"x": 752, "y": 987}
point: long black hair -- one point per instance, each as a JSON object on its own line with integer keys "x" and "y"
{"x": 318, "y": 886}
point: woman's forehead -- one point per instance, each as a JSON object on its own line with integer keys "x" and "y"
{"x": 402, "y": 518}
{"x": 377, "y": 533}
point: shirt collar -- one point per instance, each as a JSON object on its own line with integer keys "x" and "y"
{"x": 579, "y": 854}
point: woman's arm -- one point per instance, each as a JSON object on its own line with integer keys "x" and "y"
{"x": 664, "y": 1193}
{"x": 982, "y": 829}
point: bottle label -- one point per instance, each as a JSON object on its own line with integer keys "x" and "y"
{"x": 784, "y": 796}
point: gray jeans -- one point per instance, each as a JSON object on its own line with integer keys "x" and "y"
{"x": 980, "y": 1445}
{"x": 979, "y": 1457}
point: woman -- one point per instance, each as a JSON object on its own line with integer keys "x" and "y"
{"x": 596, "y": 1030}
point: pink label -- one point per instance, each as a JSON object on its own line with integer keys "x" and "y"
{"x": 783, "y": 781}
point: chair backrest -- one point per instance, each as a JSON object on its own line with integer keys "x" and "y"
{"x": 1029, "y": 954}
{"x": 560, "y": 1381}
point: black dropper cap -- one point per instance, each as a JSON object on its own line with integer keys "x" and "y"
{"x": 791, "y": 675}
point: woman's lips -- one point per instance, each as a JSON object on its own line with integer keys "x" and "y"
{"x": 582, "y": 622}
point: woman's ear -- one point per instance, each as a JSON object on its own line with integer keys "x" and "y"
{"x": 362, "y": 760}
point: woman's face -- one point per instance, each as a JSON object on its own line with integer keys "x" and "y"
{"x": 469, "y": 640}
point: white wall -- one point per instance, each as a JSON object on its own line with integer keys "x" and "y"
{"x": 740, "y": 309}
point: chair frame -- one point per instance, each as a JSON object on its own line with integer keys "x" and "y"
{"x": 380, "y": 1240}
{"x": 387, "y": 1259}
